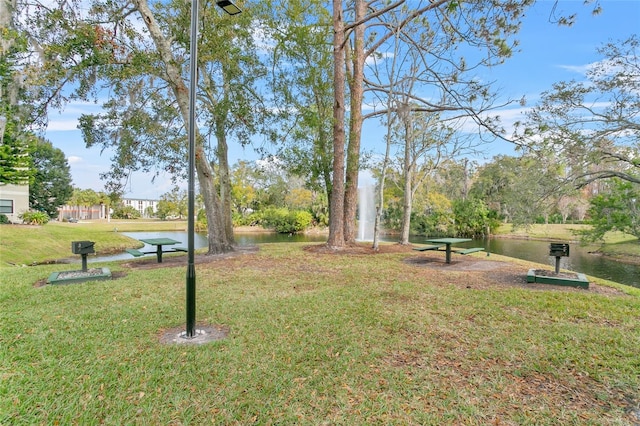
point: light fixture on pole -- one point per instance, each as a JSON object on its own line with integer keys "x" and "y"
{"x": 231, "y": 9}
{"x": 228, "y": 7}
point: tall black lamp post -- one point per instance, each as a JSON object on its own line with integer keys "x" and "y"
{"x": 231, "y": 9}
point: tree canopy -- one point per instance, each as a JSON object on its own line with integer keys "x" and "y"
{"x": 615, "y": 210}
{"x": 445, "y": 36}
{"x": 595, "y": 123}
{"x": 51, "y": 185}
{"x": 15, "y": 164}
{"x": 270, "y": 73}
{"x": 135, "y": 54}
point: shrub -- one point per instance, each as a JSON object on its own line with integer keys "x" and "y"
{"x": 285, "y": 221}
{"x": 473, "y": 218}
{"x": 252, "y": 219}
{"x": 34, "y": 218}
{"x": 320, "y": 212}
{"x": 299, "y": 220}
{"x": 125, "y": 212}
{"x": 4, "y": 219}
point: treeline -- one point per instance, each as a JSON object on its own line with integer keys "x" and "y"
{"x": 458, "y": 198}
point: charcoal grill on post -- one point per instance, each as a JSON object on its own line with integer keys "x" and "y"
{"x": 558, "y": 250}
{"x": 83, "y": 248}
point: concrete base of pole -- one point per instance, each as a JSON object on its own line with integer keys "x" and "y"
{"x": 203, "y": 334}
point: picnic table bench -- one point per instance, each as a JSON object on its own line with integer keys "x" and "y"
{"x": 134, "y": 252}
{"x": 469, "y": 250}
{"x": 425, "y": 248}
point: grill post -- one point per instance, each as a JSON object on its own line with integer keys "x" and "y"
{"x": 558, "y": 250}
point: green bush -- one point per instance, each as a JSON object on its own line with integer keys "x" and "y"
{"x": 252, "y": 219}
{"x": 435, "y": 224}
{"x": 474, "y": 219}
{"x": 125, "y": 212}
{"x": 300, "y": 220}
{"x": 285, "y": 221}
{"x": 34, "y": 218}
{"x": 4, "y": 219}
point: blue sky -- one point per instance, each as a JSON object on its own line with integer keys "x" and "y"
{"x": 547, "y": 54}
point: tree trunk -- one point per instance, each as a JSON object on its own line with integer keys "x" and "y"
{"x": 218, "y": 243}
{"x": 383, "y": 177}
{"x": 217, "y": 238}
{"x": 408, "y": 174}
{"x": 225, "y": 181}
{"x": 336, "y": 203}
{"x": 407, "y": 199}
{"x": 355, "y": 128}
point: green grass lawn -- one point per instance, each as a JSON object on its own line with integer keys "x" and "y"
{"x": 542, "y": 231}
{"x": 317, "y": 339}
{"x": 25, "y": 245}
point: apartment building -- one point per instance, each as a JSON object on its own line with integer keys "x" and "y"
{"x": 14, "y": 200}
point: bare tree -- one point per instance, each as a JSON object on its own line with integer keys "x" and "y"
{"x": 593, "y": 124}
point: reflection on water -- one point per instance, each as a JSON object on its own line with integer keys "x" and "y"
{"x": 535, "y": 251}
{"x": 250, "y": 238}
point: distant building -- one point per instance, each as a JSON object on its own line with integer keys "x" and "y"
{"x": 146, "y": 208}
{"x": 14, "y": 200}
{"x": 98, "y": 211}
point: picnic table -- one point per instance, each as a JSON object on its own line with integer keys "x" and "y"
{"x": 448, "y": 242}
{"x": 158, "y": 242}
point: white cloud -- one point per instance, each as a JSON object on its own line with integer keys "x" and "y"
{"x": 372, "y": 60}
{"x": 578, "y": 69}
{"x": 67, "y": 118}
{"x": 63, "y": 125}
{"x": 74, "y": 159}
{"x": 605, "y": 66}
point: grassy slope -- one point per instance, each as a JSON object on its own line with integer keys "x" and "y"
{"x": 34, "y": 244}
{"x": 315, "y": 338}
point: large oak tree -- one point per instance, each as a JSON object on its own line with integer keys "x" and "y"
{"x": 135, "y": 54}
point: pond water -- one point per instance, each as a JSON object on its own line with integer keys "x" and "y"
{"x": 535, "y": 251}
{"x": 200, "y": 241}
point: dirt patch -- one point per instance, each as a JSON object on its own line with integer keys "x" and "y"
{"x": 182, "y": 260}
{"x": 40, "y": 283}
{"x": 359, "y": 248}
{"x": 466, "y": 264}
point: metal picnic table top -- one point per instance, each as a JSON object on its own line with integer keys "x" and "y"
{"x": 159, "y": 242}
{"x": 448, "y": 240}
